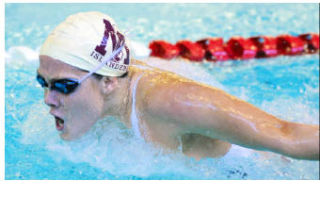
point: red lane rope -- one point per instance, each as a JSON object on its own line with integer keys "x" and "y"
{"x": 214, "y": 49}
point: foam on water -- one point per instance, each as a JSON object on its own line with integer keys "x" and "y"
{"x": 112, "y": 148}
{"x": 287, "y": 87}
{"x": 292, "y": 110}
{"x": 108, "y": 146}
{"x": 20, "y": 56}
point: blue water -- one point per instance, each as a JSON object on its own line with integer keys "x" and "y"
{"x": 287, "y": 87}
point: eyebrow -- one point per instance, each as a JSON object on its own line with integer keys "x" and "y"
{"x": 38, "y": 74}
{"x": 53, "y": 79}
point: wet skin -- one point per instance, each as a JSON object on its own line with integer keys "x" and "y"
{"x": 197, "y": 114}
{"x": 80, "y": 109}
{"x": 174, "y": 111}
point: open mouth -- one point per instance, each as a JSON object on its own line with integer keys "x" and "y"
{"x": 59, "y": 123}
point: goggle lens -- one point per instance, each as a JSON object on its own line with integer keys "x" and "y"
{"x": 65, "y": 86}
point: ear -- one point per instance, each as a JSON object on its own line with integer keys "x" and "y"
{"x": 108, "y": 84}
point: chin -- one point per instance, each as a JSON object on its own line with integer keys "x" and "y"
{"x": 68, "y": 137}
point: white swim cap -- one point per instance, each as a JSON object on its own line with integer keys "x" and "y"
{"x": 84, "y": 39}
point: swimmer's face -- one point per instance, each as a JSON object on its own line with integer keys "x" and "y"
{"x": 74, "y": 113}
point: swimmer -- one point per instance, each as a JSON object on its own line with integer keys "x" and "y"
{"x": 87, "y": 73}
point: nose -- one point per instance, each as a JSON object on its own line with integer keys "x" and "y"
{"x": 51, "y": 98}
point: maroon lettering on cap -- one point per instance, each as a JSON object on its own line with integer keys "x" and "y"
{"x": 117, "y": 45}
{"x": 120, "y": 42}
{"x": 108, "y": 29}
{"x": 127, "y": 59}
{"x": 117, "y": 40}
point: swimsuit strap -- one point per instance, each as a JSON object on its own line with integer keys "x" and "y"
{"x": 134, "y": 117}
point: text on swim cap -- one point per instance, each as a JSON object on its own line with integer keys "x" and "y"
{"x": 109, "y": 31}
{"x": 112, "y": 64}
{"x": 102, "y": 47}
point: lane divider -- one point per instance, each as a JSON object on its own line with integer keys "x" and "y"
{"x": 237, "y": 48}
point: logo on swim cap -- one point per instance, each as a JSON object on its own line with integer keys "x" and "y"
{"x": 84, "y": 40}
{"x": 113, "y": 38}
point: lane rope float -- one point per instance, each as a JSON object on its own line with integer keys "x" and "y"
{"x": 237, "y": 48}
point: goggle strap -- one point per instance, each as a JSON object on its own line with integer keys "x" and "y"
{"x": 104, "y": 61}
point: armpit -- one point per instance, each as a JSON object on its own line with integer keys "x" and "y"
{"x": 199, "y": 146}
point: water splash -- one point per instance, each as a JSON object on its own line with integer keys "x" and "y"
{"x": 112, "y": 148}
{"x": 21, "y": 56}
{"x": 35, "y": 151}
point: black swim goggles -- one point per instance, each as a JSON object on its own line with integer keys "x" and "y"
{"x": 68, "y": 85}
{"x": 65, "y": 86}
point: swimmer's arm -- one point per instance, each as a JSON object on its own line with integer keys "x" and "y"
{"x": 213, "y": 113}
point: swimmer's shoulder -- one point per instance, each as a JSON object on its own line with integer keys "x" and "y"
{"x": 151, "y": 71}
{"x": 160, "y": 83}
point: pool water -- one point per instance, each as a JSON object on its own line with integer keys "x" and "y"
{"x": 287, "y": 87}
